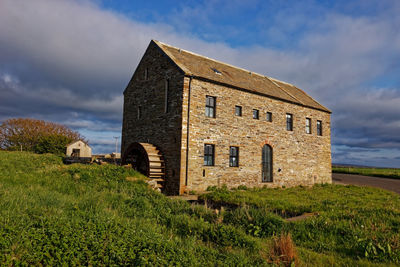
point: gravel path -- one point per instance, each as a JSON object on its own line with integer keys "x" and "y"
{"x": 385, "y": 183}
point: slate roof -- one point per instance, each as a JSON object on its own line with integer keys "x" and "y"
{"x": 212, "y": 70}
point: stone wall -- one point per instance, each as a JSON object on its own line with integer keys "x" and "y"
{"x": 298, "y": 158}
{"x": 155, "y": 126}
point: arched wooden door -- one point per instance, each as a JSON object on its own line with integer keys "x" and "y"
{"x": 266, "y": 163}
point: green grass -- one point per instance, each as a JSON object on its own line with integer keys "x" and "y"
{"x": 54, "y": 214}
{"x": 352, "y": 222}
{"x": 376, "y": 172}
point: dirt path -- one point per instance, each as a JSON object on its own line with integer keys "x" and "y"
{"x": 385, "y": 183}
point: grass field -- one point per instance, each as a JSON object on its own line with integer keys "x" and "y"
{"x": 376, "y": 172}
{"x": 351, "y": 222}
{"x": 53, "y": 214}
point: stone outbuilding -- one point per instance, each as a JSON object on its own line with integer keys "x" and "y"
{"x": 78, "y": 149}
{"x": 191, "y": 122}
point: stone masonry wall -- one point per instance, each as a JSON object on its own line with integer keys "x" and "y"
{"x": 298, "y": 158}
{"x": 155, "y": 126}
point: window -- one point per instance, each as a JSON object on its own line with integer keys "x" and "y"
{"x": 269, "y": 116}
{"x": 210, "y": 106}
{"x": 208, "y": 155}
{"x": 233, "y": 156}
{"x": 255, "y": 114}
{"x": 266, "y": 164}
{"x": 238, "y": 111}
{"x": 216, "y": 71}
{"x": 319, "y": 127}
{"x": 308, "y": 125}
{"x": 146, "y": 74}
{"x": 139, "y": 112}
{"x": 289, "y": 122}
{"x": 166, "y": 108}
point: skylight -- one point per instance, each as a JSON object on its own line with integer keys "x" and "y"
{"x": 216, "y": 71}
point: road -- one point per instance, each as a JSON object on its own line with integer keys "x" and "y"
{"x": 385, "y": 183}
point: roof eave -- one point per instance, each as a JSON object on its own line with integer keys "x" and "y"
{"x": 181, "y": 68}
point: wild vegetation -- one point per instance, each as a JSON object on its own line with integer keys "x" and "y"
{"x": 348, "y": 221}
{"x": 36, "y": 136}
{"x": 55, "y": 214}
{"x": 376, "y": 172}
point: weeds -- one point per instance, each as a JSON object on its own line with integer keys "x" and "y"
{"x": 356, "y": 222}
{"x": 283, "y": 250}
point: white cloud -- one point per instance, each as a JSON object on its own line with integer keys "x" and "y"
{"x": 71, "y": 57}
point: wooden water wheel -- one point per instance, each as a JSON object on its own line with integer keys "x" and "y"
{"x": 146, "y": 159}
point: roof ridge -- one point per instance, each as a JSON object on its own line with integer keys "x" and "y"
{"x": 183, "y": 68}
{"x": 281, "y": 81}
{"x": 224, "y": 63}
{"x": 215, "y": 60}
{"x": 281, "y": 92}
{"x": 283, "y": 89}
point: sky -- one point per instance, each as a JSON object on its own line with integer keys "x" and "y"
{"x": 69, "y": 61}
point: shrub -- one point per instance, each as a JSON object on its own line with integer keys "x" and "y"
{"x": 54, "y": 144}
{"x": 35, "y": 135}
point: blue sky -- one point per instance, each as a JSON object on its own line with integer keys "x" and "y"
{"x": 69, "y": 60}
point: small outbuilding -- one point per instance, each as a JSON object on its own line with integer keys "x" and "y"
{"x": 78, "y": 149}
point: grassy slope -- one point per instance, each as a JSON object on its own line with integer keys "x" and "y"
{"x": 52, "y": 214}
{"x": 376, "y": 172}
{"x": 352, "y": 222}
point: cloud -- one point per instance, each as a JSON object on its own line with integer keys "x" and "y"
{"x": 97, "y": 126}
{"x": 69, "y": 61}
{"x": 72, "y": 43}
{"x": 64, "y": 60}
{"x": 74, "y": 49}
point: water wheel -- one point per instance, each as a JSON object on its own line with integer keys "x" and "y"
{"x": 146, "y": 159}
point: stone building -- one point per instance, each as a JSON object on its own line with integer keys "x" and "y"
{"x": 192, "y": 122}
{"x": 78, "y": 149}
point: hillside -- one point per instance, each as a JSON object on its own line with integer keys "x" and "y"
{"x": 53, "y": 214}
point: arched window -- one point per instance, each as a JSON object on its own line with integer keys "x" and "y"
{"x": 266, "y": 163}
